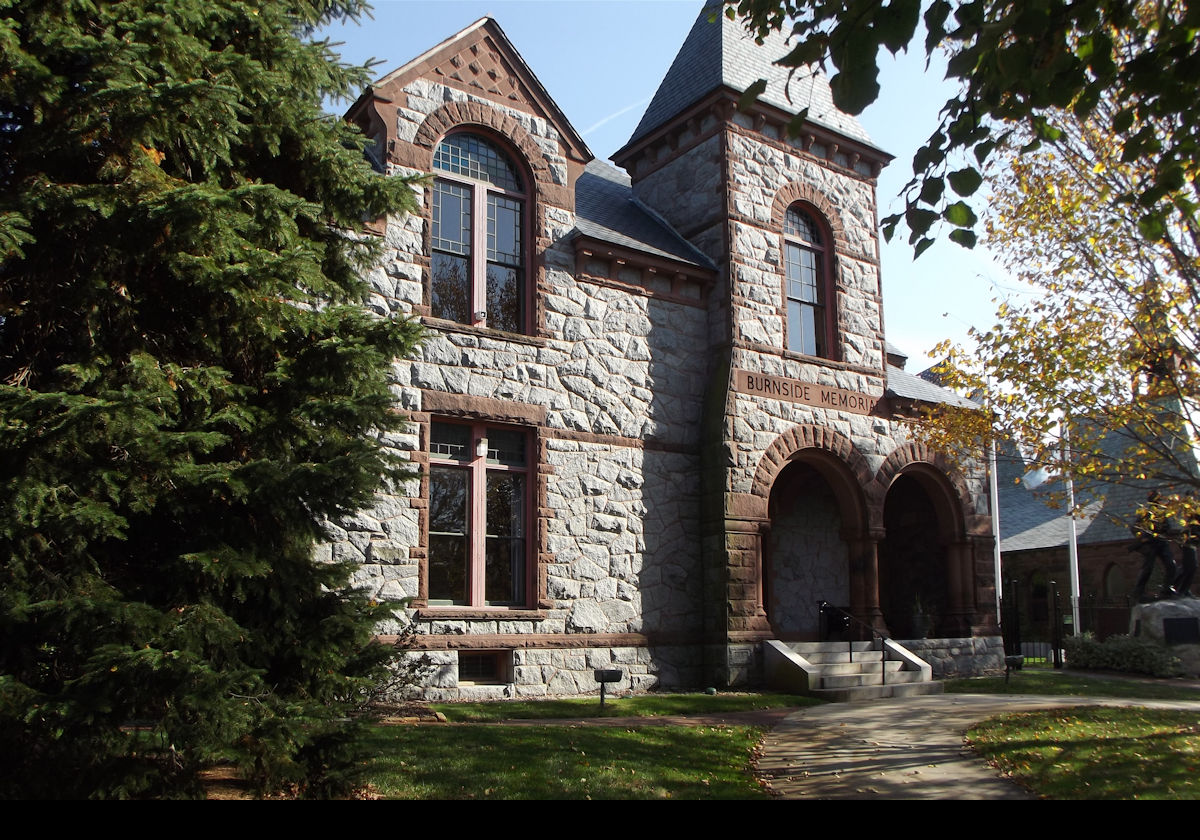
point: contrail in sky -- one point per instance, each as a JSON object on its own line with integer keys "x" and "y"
{"x": 615, "y": 114}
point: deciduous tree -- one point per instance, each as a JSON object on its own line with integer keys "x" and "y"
{"x": 191, "y": 390}
{"x": 1097, "y": 376}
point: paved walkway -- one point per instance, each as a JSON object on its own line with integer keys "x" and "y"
{"x": 906, "y": 748}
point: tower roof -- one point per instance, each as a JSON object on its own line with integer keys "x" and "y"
{"x": 718, "y": 52}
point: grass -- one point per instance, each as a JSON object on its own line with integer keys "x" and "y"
{"x": 564, "y": 762}
{"x": 1096, "y": 752}
{"x": 645, "y": 705}
{"x": 1070, "y": 684}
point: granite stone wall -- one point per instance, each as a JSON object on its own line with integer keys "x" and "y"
{"x": 612, "y": 384}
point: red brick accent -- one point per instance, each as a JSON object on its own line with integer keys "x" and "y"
{"x": 916, "y": 453}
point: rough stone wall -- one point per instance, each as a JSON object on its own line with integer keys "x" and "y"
{"x": 551, "y": 672}
{"x": 808, "y": 560}
{"x": 614, "y": 381}
{"x": 974, "y": 656}
{"x": 686, "y": 190}
{"x": 758, "y": 174}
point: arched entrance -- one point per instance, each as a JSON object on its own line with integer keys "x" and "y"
{"x": 917, "y": 590}
{"x": 807, "y": 554}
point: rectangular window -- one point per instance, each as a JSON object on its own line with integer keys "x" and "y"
{"x": 478, "y": 515}
{"x": 806, "y": 312}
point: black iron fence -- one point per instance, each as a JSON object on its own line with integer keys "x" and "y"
{"x": 1036, "y": 619}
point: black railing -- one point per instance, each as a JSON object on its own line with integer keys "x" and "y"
{"x": 831, "y": 619}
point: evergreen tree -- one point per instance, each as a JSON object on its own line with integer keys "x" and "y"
{"x": 191, "y": 388}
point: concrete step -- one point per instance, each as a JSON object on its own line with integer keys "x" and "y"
{"x": 838, "y": 657}
{"x": 874, "y": 692}
{"x": 804, "y": 648}
{"x": 868, "y": 678}
{"x": 859, "y": 667}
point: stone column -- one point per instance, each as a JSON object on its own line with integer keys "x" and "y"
{"x": 959, "y": 590}
{"x": 864, "y": 578}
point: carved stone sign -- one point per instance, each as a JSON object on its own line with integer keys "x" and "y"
{"x": 806, "y": 393}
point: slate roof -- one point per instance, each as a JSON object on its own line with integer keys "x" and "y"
{"x": 901, "y": 383}
{"x": 1028, "y": 522}
{"x": 719, "y": 53}
{"x": 892, "y": 350}
{"x": 605, "y": 209}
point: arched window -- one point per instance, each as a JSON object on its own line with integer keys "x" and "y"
{"x": 809, "y": 310}
{"x": 478, "y": 266}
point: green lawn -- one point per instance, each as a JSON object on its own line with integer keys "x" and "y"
{"x": 564, "y": 762}
{"x": 644, "y": 705}
{"x": 1071, "y": 684}
{"x": 1096, "y": 753}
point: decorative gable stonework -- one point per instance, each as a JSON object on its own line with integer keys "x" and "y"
{"x": 480, "y": 67}
{"x": 599, "y": 488}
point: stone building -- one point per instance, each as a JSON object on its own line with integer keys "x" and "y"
{"x": 655, "y": 417}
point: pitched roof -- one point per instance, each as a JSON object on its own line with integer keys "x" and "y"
{"x": 605, "y": 209}
{"x": 1028, "y": 522}
{"x": 719, "y": 52}
{"x": 901, "y": 383}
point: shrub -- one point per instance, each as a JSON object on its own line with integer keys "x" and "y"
{"x": 1121, "y": 653}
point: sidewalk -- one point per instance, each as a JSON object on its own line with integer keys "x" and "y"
{"x": 904, "y": 748}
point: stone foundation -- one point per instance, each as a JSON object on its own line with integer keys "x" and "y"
{"x": 566, "y": 673}
{"x": 967, "y": 657}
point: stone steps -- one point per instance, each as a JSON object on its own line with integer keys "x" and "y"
{"x": 839, "y": 671}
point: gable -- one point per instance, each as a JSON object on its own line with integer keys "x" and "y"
{"x": 481, "y": 62}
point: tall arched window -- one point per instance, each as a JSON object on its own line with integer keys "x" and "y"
{"x": 478, "y": 263}
{"x": 809, "y": 314}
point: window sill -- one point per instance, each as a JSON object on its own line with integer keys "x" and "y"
{"x": 792, "y": 355}
{"x": 484, "y": 613}
{"x": 482, "y": 332}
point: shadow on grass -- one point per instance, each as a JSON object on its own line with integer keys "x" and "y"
{"x": 1096, "y": 752}
{"x": 642, "y": 705}
{"x": 564, "y": 762}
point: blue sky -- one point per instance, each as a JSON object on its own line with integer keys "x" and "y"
{"x": 602, "y": 60}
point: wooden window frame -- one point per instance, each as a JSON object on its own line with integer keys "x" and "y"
{"x": 479, "y": 190}
{"x": 823, "y": 252}
{"x": 477, "y": 468}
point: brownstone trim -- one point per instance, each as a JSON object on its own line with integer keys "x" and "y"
{"x": 722, "y": 104}
{"x": 473, "y": 116}
{"x": 507, "y": 132}
{"x": 478, "y": 614}
{"x": 808, "y": 436}
{"x": 804, "y": 193}
{"x": 629, "y": 288}
{"x": 460, "y": 405}
{"x": 766, "y": 349}
{"x": 442, "y": 325}
{"x": 541, "y": 641}
{"x": 916, "y": 456}
{"x": 811, "y": 134}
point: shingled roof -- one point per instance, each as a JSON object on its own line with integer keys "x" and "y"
{"x": 718, "y": 52}
{"x": 901, "y": 383}
{"x": 1108, "y": 509}
{"x": 605, "y": 209}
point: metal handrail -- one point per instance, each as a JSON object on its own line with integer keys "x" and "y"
{"x": 824, "y": 608}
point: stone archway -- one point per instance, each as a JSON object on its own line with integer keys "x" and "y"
{"x": 813, "y": 547}
{"x": 913, "y": 574}
{"x": 807, "y": 558}
{"x": 926, "y": 569}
